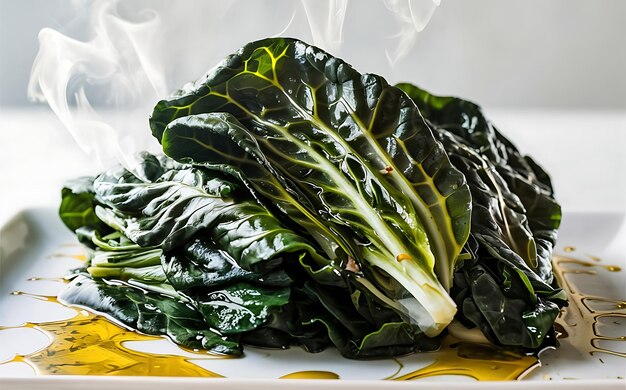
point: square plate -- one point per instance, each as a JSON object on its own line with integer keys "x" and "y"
{"x": 35, "y": 244}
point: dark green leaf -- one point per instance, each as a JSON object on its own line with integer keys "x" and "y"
{"x": 149, "y": 313}
{"x": 529, "y": 191}
{"x": 507, "y": 290}
{"x": 182, "y": 202}
{"x": 295, "y": 96}
{"x": 200, "y": 264}
{"x": 354, "y": 148}
{"x": 77, "y": 205}
{"x": 239, "y": 307}
{"x": 357, "y": 339}
{"x": 504, "y": 315}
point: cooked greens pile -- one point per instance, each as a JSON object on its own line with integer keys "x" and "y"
{"x": 300, "y": 202}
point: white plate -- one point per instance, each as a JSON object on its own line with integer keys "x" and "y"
{"x": 35, "y": 244}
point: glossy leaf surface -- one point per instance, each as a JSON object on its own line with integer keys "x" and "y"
{"x": 181, "y": 202}
{"x": 304, "y": 203}
{"x": 77, "y": 204}
{"x": 148, "y": 313}
{"x": 312, "y": 116}
{"x": 239, "y": 307}
{"x": 507, "y": 289}
{"x": 291, "y": 94}
{"x": 200, "y": 264}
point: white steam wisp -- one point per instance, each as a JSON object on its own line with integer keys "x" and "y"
{"x": 103, "y": 88}
{"x": 116, "y": 69}
{"x": 326, "y": 22}
{"x": 412, "y": 17}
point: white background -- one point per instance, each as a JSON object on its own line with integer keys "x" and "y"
{"x": 502, "y": 53}
{"x": 550, "y": 74}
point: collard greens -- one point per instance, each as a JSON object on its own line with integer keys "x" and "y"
{"x": 300, "y": 202}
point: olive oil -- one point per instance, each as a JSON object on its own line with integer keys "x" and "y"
{"x": 563, "y": 261}
{"x": 579, "y": 321}
{"x": 60, "y": 280}
{"x": 479, "y": 361}
{"x": 89, "y": 344}
{"x": 76, "y": 256}
{"x": 311, "y": 375}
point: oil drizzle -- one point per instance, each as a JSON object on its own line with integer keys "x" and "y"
{"x": 47, "y": 298}
{"x": 483, "y": 362}
{"x": 37, "y": 279}
{"x": 579, "y": 322}
{"x": 560, "y": 261}
{"x": 76, "y": 256}
{"x": 311, "y": 375}
{"x": 594, "y": 258}
{"x": 89, "y": 344}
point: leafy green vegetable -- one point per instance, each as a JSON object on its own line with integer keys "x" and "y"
{"x": 356, "y": 338}
{"x": 529, "y": 187}
{"x": 508, "y": 289}
{"x": 77, "y": 204}
{"x": 168, "y": 211}
{"x": 149, "y": 313}
{"x": 240, "y": 307}
{"x": 304, "y": 203}
{"x": 200, "y": 264}
{"x": 371, "y": 164}
{"x": 115, "y": 256}
{"x": 267, "y": 189}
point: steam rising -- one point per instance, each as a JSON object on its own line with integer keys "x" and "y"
{"x": 326, "y": 22}
{"x": 104, "y": 87}
{"x": 412, "y": 16}
{"x": 117, "y": 69}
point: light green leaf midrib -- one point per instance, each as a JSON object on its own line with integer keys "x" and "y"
{"x": 370, "y": 215}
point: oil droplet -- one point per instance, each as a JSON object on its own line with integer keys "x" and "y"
{"x": 402, "y": 257}
{"x": 479, "y": 361}
{"x": 386, "y": 170}
{"x": 311, "y": 375}
{"x": 569, "y": 249}
{"x": 594, "y": 258}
